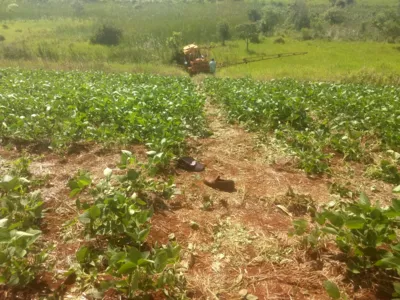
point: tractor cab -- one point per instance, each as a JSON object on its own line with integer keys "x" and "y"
{"x": 194, "y": 61}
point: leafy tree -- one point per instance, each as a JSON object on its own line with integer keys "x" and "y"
{"x": 388, "y": 24}
{"x": 107, "y": 35}
{"x": 175, "y": 43}
{"x": 272, "y": 17}
{"x": 254, "y": 15}
{"x": 300, "y": 15}
{"x": 247, "y": 32}
{"x": 342, "y": 3}
{"x": 398, "y": 9}
{"x": 223, "y": 32}
{"x": 78, "y": 8}
{"x": 335, "y": 15}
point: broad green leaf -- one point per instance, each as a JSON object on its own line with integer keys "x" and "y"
{"x": 82, "y": 254}
{"x": 329, "y": 230}
{"x": 4, "y": 235}
{"x": 396, "y": 247}
{"x": 396, "y": 286}
{"x": 396, "y": 204}
{"x": 389, "y": 263}
{"x": 84, "y": 218}
{"x": 117, "y": 257}
{"x": 9, "y": 183}
{"x": 161, "y": 261}
{"x": 355, "y": 223}
{"x": 134, "y": 255}
{"x": 143, "y": 234}
{"x": 332, "y": 289}
{"x": 84, "y": 180}
{"x": 3, "y": 223}
{"x": 133, "y": 175}
{"x": 335, "y": 219}
{"x": 353, "y": 267}
{"x": 3, "y": 258}
{"x": 364, "y": 200}
{"x": 94, "y": 212}
{"x": 396, "y": 189}
{"x": 74, "y": 192}
{"x": 300, "y": 226}
{"x": 127, "y": 267}
{"x": 14, "y": 280}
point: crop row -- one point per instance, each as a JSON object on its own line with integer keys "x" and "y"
{"x": 60, "y": 108}
{"x": 316, "y": 120}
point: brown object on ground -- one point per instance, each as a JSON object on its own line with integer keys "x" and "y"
{"x": 220, "y": 184}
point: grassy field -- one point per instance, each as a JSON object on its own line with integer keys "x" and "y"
{"x": 325, "y": 60}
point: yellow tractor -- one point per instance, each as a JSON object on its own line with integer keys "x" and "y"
{"x": 194, "y": 61}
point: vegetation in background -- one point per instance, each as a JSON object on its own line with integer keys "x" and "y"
{"x": 61, "y": 31}
{"x": 107, "y": 35}
{"x": 247, "y": 32}
{"x": 224, "y": 32}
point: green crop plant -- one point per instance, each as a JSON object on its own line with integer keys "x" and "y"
{"x": 315, "y": 120}
{"x": 21, "y": 257}
{"x": 366, "y": 234}
{"x": 120, "y": 214}
{"x": 72, "y": 107}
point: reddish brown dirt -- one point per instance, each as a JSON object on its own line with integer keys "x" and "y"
{"x": 241, "y": 241}
{"x": 230, "y": 153}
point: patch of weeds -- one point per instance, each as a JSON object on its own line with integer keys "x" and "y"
{"x": 230, "y": 242}
{"x": 386, "y": 171}
{"x": 20, "y": 167}
{"x": 298, "y": 204}
{"x": 365, "y": 233}
{"x": 270, "y": 249}
{"x": 341, "y": 190}
{"x": 207, "y": 204}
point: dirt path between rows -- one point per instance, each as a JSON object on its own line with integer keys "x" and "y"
{"x": 241, "y": 242}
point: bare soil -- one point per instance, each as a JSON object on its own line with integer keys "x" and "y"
{"x": 231, "y": 242}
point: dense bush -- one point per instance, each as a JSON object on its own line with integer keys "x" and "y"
{"x": 254, "y": 15}
{"x": 335, "y": 15}
{"x": 271, "y": 19}
{"x": 107, "y": 35}
{"x": 300, "y": 15}
{"x": 306, "y": 34}
{"x": 2, "y": 38}
{"x": 388, "y": 24}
